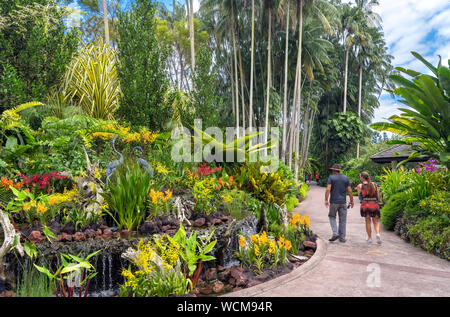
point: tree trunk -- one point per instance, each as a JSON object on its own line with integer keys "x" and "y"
{"x": 11, "y": 236}
{"x": 190, "y": 11}
{"x": 359, "y": 103}
{"x": 346, "y": 78}
{"x": 105, "y": 21}
{"x": 236, "y": 81}
{"x": 286, "y": 58}
{"x": 241, "y": 72}
{"x": 269, "y": 57}
{"x": 300, "y": 31}
{"x": 252, "y": 62}
{"x": 293, "y": 118}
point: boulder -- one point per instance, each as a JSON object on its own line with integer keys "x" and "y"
{"x": 310, "y": 245}
{"x": 90, "y": 233}
{"x": 237, "y": 273}
{"x": 79, "y": 236}
{"x": 35, "y": 237}
{"x": 211, "y": 274}
{"x": 200, "y": 222}
{"x": 107, "y": 233}
{"x": 218, "y": 287}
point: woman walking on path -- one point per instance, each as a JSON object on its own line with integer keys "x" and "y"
{"x": 369, "y": 195}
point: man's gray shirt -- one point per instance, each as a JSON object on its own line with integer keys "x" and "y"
{"x": 339, "y": 184}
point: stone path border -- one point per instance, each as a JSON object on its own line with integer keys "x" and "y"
{"x": 355, "y": 268}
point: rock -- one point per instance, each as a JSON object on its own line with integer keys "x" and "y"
{"x": 79, "y": 236}
{"x": 308, "y": 255}
{"x": 7, "y": 294}
{"x": 200, "y": 222}
{"x": 262, "y": 277}
{"x": 116, "y": 235}
{"x": 224, "y": 275}
{"x": 211, "y": 274}
{"x": 226, "y": 218}
{"x": 218, "y": 287}
{"x": 206, "y": 290}
{"x": 65, "y": 237}
{"x": 310, "y": 244}
{"x": 254, "y": 283}
{"x": 165, "y": 228}
{"x": 103, "y": 227}
{"x": 310, "y": 252}
{"x": 124, "y": 233}
{"x": 216, "y": 221}
{"x": 99, "y": 232}
{"x": 69, "y": 228}
{"x": 237, "y": 273}
{"x": 35, "y": 237}
{"x": 107, "y": 233}
{"x": 89, "y": 233}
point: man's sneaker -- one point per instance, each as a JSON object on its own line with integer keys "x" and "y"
{"x": 378, "y": 239}
{"x": 369, "y": 240}
{"x": 334, "y": 238}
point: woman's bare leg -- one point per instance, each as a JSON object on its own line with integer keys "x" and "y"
{"x": 368, "y": 226}
{"x": 376, "y": 224}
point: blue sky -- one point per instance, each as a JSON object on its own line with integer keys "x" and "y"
{"x": 413, "y": 25}
{"x": 409, "y": 25}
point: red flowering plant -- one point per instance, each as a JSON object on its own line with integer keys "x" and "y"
{"x": 201, "y": 172}
{"x": 44, "y": 183}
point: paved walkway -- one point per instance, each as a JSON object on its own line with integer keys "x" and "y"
{"x": 355, "y": 268}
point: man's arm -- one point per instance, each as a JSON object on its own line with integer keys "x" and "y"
{"x": 350, "y": 193}
{"x": 327, "y": 195}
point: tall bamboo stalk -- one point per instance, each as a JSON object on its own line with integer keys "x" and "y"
{"x": 286, "y": 57}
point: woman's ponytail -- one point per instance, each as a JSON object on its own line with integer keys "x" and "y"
{"x": 371, "y": 185}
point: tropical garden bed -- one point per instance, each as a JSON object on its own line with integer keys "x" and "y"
{"x": 93, "y": 230}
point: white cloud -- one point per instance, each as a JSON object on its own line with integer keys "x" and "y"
{"x": 413, "y": 25}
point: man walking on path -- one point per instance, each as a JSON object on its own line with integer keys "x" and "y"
{"x": 337, "y": 186}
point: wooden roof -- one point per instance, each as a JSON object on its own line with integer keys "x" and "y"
{"x": 389, "y": 155}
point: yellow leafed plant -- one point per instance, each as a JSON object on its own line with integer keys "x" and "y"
{"x": 93, "y": 81}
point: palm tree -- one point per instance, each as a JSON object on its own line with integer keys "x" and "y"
{"x": 316, "y": 8}
{"x": 105, "y": 21}
{"x": 269, "y": 57}
{"x": 252, "y": 63}
{"x": 351, "y": 18}
{"x": 286, "y": 59}
{"x": 190, "y": 15}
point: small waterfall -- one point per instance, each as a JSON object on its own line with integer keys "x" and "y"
{"x": 247, "y": 227}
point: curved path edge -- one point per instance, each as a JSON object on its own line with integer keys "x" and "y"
{"x": 296, "y": 273}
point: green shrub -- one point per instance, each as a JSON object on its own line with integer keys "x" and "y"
{"x": 391, "y": 210}
{"x": 128, "y": 195}
{"x": 291, "y": 203}
{"x": 437, "y": 204}
{"x": 432, "y": 234}
{"x": 303, "y": 190}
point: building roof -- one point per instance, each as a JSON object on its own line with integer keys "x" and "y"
{"x": 402, "y": 150}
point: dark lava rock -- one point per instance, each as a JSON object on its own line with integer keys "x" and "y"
{"x": 211, "y": 274}
{"x": 90, "y": 233}
{"x": 55, "y": 227}
{"x": 69, "y": 228}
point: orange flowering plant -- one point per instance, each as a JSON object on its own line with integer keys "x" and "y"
{"x": 31, "y": 208}
{"x": 261, "y": 251}
{"x": 297, "y": 229}
{"x": 160, "y": 202}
